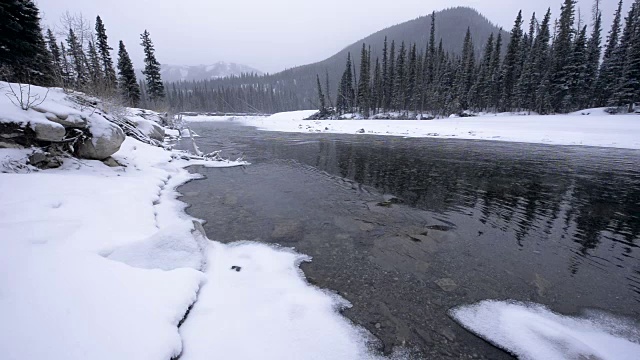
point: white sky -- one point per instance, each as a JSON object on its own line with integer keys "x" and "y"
{"x": 272, "y": 35}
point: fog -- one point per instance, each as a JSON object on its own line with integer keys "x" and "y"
{"x": 276, "y": 34}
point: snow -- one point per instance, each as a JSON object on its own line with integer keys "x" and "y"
{"x": 532, "y": 331}
{"x": 597, "y": 129}
{"x": 266, "y": 310}
{"x": 103, "y": 263}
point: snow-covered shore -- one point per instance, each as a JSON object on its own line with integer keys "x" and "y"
{"x": 589, "y": 127}
{"x": 102, "y": 262}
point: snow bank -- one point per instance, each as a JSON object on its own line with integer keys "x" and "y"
{"x": 531, "y": 331}
{"x": 256, "y": 305}
{"x": 597, "y": 129}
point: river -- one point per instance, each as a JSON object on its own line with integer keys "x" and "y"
{"x": 405, "y": 229}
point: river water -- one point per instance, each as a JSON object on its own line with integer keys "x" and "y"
{"x": 405, "y": 229}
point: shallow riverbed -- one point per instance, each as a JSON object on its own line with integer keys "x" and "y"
{"x": 405, "y": 229}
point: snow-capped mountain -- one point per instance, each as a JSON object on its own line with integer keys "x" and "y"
{"x": 220, "y": 69}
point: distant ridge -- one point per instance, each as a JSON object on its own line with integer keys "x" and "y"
{"x": 174, "y": 73}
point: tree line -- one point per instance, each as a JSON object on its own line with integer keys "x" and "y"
{"x": 552, "y": 68}
{"x": 76, "y": 57}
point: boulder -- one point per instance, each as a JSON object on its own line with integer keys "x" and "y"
{"x": 103, "y": 143}
{"x": 151, "y": 129}
{"x": 68, "y": 121}
{"x": 49, "y": 131}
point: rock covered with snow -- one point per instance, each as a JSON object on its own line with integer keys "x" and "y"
{"x": 105, "y": 141}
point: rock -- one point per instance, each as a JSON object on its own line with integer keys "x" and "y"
{"x": 71, "y": 121}
{"x": 361, "y": 131}
{"x": 44, "y": 160}
{"x": 151, "y": 129}
{"x": 236, "y": 268}
{"x": 49, "y": 131}
{"x": 111, "y": 162}
{"x": 446, "y": 284}
{"x": 288, "y": 230}
{"x": 103, "y": 143}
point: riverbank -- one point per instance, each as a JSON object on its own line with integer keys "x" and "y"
{"x": 589, "y": 127}
{"x": 101, "y": 262}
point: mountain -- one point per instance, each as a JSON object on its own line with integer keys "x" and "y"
{"x": 174, "y": 73}
{"x": 451, "y": 27}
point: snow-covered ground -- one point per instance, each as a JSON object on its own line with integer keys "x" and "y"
{"x": 531, "y": 331}
{"x": 591, "y": 127}
{"x": 101, "y": 262}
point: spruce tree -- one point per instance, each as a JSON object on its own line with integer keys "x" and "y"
{"x": 467, "y": 71}
{"x": 155, "y": 87}
{"x": 78, "y": 61}
{"x": 95, "y": 70}
{"x": 541, "y": 71}
{"x": 127, "y": 81}
{"x": 364, "y": 82}
{"x": 56, "y": 57}
{"x": 480, "y": 88}
{"x": 412, "y": 74}
{"x": 104, "y": 50}
{"x": 607, "y": 77}
{"x": 323, "y": 105}
{"x": 385, "y": 74}
{"x": 510, "y": 66}
{"x": 494, "y": 88}
{"x": 377, "y": 88}
{"x": 577, "y": 95}
{"x": 594, "y": 50}
{"x": 399, "y": 85}
{"x": 327, "y": 88}
{"x": 562, "y": 50}
{"x": 22, "y": 47}
{"x": 346, "y": 95}
{"x": 390, "y": 88}
{"x": 626, "y": 62}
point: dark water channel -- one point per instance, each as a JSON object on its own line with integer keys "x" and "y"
{"x": 475, "y": 220}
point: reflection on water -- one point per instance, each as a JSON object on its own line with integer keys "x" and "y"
{"x": 563, "y": 221}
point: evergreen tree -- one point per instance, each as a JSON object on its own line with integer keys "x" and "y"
{"x": 541, "y": 71}
{"x": 467, "y": 71}
{"x": 155, "y": 87}
{"x": 562, "y": 50}
{"x": 412, "y": 74}
{"x": 400, "y": 81}
{"x": 327, "y": 88}
{"x": 78, "y": 60}
{"x": 104, "y": 50}
{"x": 127, "y": 81}
{"x": 346, "y": 94}
{"x": 56, "y": 57}
{"x": 390, "y": 89}
{"x": 594, "y": 50}
{"x": 22, "y": 47}
{"x": 323, "y": 105}
{"x": 494, "y": 87}
{"x": 527, "y": 83}
{"x": 607, "y": 77}
{"x": 626, "y": 61}
{"x": 385, "y": 75}
{"x": 480, "y": 88}
{"x": 377, "y": 88}
{"x": 510, "y": 66}
{"x": 95, "y": 70}
{"x": 364, "y": 82}
{"x": 577, "y": 94}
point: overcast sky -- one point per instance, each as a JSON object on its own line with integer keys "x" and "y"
{"x": 272, "y": 35}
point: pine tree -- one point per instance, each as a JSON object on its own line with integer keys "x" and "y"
{"x": 577, "y": 96}
{"x": 377, "y": 88}
{"x": 626, "y": 62}
{"x": 594, "y": 50}
{"x": 95, "y": 70}
{"x": 56, "y": 57}
{"x": 364, "y": 82}
{"x": 494, "y": 88}
{"x": 466, "y": 71}
{"x": 526, "y": 82}
{"x": 384, "y": 95}
{"x": 480, "y": 88}
{"x": 399, "y": 85}
{"x": 412, "y": 74}
{"x": 155, "y": 87}
{"x": 510, "y": 65}
{"x": 104, "y": 50}
{"x": 346, "y": 94}
{"x": 430, "y": 61}
{"x": 390, "y": 88}
{"x": 127, "y": 81}
{"x": 562, "y": 49}
{"x": 323, "y": 105}
{"x": 78, "y": 61}
{"x": 541, "y": 66}
{"x": 607, "y": 76}
{"x": 22, "y": 47}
